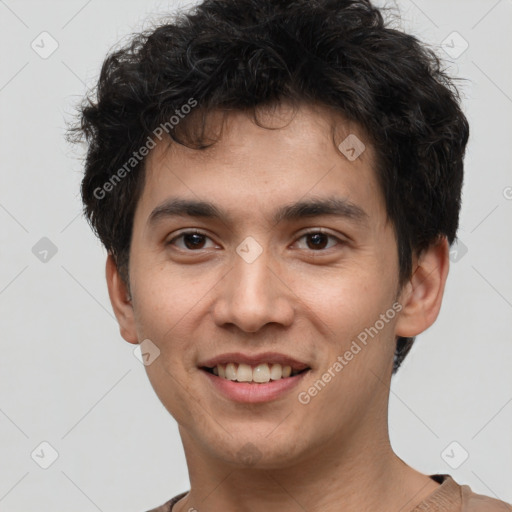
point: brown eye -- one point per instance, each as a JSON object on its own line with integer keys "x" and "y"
{"x": 194, "y": 241}
{"x": 319, "y": 240}
{"x": 190, "y": 240}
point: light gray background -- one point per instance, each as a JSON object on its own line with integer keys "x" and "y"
{"x": 68, "y": 378}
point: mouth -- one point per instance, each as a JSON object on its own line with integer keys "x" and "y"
{"x": 253, "y": 384}
{"x": 261, "y": 373}
{"x": 253, "y": 378}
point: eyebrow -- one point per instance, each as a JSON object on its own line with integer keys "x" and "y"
{"x": 335, "y": 206}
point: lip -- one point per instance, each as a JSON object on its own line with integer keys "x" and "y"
{"x": 247, "y": 392}
{"x": 255, "y": 359}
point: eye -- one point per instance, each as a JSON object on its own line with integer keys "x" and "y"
{"x": 318, "y": 240}
{"x": 191, "y": 240}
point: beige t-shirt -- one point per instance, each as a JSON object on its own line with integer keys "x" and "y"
{"x": 448, "y": 497}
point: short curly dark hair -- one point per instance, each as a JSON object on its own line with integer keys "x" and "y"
{"x": 243, "y": 54}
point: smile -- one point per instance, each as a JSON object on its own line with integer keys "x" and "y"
{"x": 261, "y": 373}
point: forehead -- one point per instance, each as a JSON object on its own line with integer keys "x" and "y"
{"x": 297, "y": 152}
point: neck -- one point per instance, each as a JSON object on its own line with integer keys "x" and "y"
{"x": 363, "y": 474}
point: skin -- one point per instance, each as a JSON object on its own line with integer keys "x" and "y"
{"x": 310, "y": 303}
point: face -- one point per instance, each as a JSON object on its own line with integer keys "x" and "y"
{"x": 252, "y": 278}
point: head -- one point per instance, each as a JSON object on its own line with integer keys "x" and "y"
{"x": 248, "y": 105}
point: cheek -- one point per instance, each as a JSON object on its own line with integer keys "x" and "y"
{"x": 164, "y": 305}
{"x": 165, "y": 293}
{"x": 347, "y": 300}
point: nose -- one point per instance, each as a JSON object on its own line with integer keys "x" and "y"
{"x": 252, "y": 295}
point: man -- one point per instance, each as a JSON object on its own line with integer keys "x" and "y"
{"x": 277, "y": 184}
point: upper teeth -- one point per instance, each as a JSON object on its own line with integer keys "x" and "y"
{"x": 260, "y": 373}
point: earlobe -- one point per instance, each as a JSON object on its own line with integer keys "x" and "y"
{"x": 121, "y": 301}
{"x": 422, "y": 296}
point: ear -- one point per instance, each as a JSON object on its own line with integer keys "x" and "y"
{"x": 421, "y": 297}
{"x": 121, "y": 301}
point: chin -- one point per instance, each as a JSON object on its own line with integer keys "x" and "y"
{"x": 259, "y": 453}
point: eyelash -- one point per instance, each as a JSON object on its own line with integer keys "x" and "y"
{"x": 310, "y": 232}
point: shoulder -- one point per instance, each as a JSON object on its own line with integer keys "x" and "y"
{"x": 167, "y": 506}
{"x": 473, "y": 502}
{"x": 453, "y": 497}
